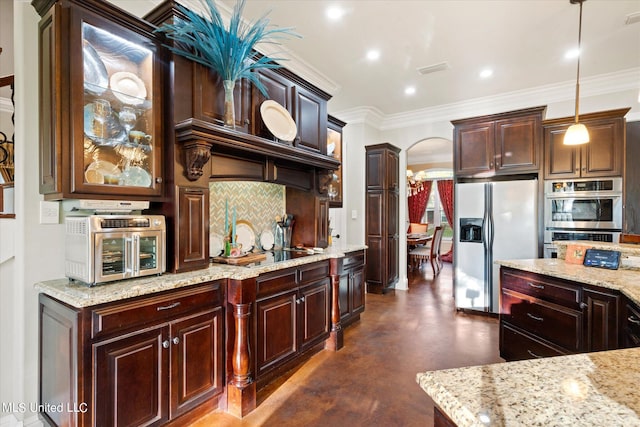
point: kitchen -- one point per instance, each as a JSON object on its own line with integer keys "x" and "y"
{"x": 39, "y": 264}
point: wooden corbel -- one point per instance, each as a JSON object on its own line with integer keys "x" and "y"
{"x": 197, "y": 154}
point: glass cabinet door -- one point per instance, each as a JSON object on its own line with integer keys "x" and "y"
{"x": 334, "y": 149}
{"x": 117, "y": 109}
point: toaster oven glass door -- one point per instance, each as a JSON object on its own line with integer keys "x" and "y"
{"x": 113, "y": 256}
{"x": 148, "y": 257}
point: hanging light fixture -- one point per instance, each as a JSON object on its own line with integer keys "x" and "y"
{"x": 577, "y": 133}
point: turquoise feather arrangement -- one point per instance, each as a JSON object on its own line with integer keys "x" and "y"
{"x": 230, "y": 52}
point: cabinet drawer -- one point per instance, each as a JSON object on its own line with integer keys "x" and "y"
{"x": 312, "y": 272}
{"x": 547, "y": 290}
{"x": 557, "y": 324}
{"x": 515, "y": 345}
{"x": 275, "y": 282}
{"x": 353, "y": 259}
{"x": 118, "y": 317}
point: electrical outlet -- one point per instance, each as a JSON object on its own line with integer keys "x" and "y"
{"x": 49, "y": 212}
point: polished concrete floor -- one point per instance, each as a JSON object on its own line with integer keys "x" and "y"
{"x": 371, "y": 381}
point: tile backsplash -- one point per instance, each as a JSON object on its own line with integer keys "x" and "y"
{"x": 257, "y": 203}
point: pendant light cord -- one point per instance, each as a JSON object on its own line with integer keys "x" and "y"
{"x": 579, "y": 55}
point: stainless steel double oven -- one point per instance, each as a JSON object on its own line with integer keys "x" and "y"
{"x": 582, "y": 209}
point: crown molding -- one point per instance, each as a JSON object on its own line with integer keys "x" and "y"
{"x": 558, "y": 92}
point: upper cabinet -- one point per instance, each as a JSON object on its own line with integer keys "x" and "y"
{"x": 334, "y": 148}
{"x": 602, "y": 156}
{"x": 498, "y": 144}
{"x": 100, "y": 103}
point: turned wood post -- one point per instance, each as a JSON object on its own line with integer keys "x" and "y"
{"x": 241, "y": 355}
{"x": 336, "y": 340}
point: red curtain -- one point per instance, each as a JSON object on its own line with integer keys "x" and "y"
{"x": 445, "y": 188}
{"x": 418, "y": 201}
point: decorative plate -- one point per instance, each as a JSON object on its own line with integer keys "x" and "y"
{"x": 96, "y": 79}
{"x": 216, "y": 245}
{"x": 245, "y": 235}
{"x": 267, "y": 240}
{"x": 135, "y": 176}
{"x": 115, "y": 133}
{"x": 96, "y": 171}
{"x": 278, "y": 120}
{"x": 128, "y": 88}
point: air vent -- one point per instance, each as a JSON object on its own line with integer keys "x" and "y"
{"x": 433, "y": 68}
{"x": 632, "y": 18}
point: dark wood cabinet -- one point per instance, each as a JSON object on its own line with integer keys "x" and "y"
{"x": 101, "y": 103}
{"x": 352, "y": 287}
{"x": 631, "y": 194}
{"x": 498, "y": 144}
{"x": 191, "y": 244}
{"x": 143, "y": 361}
{"x": 310, "y": 114}
{"x": 280, "y": 90}
{"x": 630, "y": 325}
{"x": 542, "y": 316}
{"x": 381, "y": 210}
{"x": 311, "y": 215}
{"x": 602, "y": 156}
{"x": 293, "y": 309}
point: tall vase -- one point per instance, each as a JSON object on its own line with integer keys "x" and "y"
{"x": 229, "y": 106}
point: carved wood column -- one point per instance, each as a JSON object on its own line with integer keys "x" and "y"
{"x": 336, "y": 337}
{"x": 241, "y": 386}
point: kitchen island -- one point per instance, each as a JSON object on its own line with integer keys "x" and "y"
{"x": 587, "y": 389}
{"x": 180, "y": 345}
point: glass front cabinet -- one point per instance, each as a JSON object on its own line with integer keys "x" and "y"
{"x": 101, "y": 103}
{"x": 334, "y": 148}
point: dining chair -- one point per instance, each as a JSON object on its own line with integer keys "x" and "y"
{"x": 428, "y": 253}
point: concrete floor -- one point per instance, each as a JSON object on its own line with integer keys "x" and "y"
{"x": 371, "y": 381}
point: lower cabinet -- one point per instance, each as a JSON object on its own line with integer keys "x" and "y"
{"x": 352, "y": 287}
{"x": 144, "y": 361}
{"x": 543, "y": 316}
{"x": 293, "y": 309}
{"x": 630, "y": 326}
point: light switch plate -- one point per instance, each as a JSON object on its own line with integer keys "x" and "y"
{"x": 354, "y": 214}
{"x": 49, "y": 212}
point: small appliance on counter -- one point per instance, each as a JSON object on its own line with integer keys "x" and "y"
{"x": 104, "y": 248}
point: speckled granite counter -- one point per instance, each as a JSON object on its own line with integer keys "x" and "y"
{"x": 78, "y": 295}
{"x": 626, "y": 281}
{"x": 594, "y": 389}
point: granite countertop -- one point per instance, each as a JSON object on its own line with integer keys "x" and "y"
{"x": 623, "y": 280}
{"x": 79, "y": 295}
{"x": 590, "y": 389}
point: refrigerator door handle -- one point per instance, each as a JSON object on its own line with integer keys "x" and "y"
{"x": 485, "y": 221}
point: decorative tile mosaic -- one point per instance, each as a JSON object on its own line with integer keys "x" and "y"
{"x": 258, "y": 203}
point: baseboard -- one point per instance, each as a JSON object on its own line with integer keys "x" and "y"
{"x": 10, "y": 421}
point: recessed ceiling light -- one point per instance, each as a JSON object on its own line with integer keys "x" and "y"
{"x": 486, "y": 73}
{"x": 373, "y": 55}
{"x": 410, "y": 90}
{"x": 335, "y": 13}
{"x": 571, "y": 54}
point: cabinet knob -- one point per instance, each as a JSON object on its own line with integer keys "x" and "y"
{"x": 158, "y": 180}
{"x": 165, "y": 344}
{"x": 583, "y": 305}
{"x": 533, "y": 354}
{"x": 176, "y": 340}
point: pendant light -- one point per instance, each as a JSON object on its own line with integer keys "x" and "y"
{"x": 577, "y": 133}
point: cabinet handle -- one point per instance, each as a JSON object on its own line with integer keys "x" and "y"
{"x": 168, "y": 307}
{"x": 534, "y": 355}
{"x": 165, "y": 344}
{"x": 176, "y": 340}
{"x": 158, "y": 180}
{"x": 539, "y": 319}
{"x": 633, "y": 319}
{"x": 533, "y": 285}
{"x": 583, "y": 305}
{"x": 299, "y": 300}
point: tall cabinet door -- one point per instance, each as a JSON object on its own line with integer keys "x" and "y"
{"x": 310, "y": 114}
{"x": 192, "y": 228}
{"x": 474, "y": 148}
{"x": 135, "y": 366}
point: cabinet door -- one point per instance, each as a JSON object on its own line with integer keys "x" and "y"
{"x": 192, "y": 228}
{"x": 315, "y": 313}
{"x": 131, "y": 381}
{"x": 392, "y": 171}
{"x": 279, "y": 90}
{"x": 277, "y": 337}
{"x": 474, "y": 152}
{"x": 196, "y": 360}
{"x": 392, "y": 237}
{"x": 357, "y": 290}
{"x": 601, "y": 320}
{"x": 322, "y": 217}
{"x": 561, "y": 161}
{"x": 517, "y": 144}
{"x": 208, "y": 98}
{"x": 310, "y": 114}
{"x": 344, "y": 295}
{"x": 603, "y": 155}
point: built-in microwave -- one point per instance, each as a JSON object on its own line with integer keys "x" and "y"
{"x": 103, "y": 248}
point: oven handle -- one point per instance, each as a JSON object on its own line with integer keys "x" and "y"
{"x": 127, "y": 255}
{"x": 135, "y": 259}
{"x": 581, "y": 196}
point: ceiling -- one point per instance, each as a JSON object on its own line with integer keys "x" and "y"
{"x": 523, "y": 41}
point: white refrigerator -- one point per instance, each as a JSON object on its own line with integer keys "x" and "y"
{"x": 494, "y": 221}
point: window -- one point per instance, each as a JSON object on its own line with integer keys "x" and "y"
{"x": 434, "y": 214}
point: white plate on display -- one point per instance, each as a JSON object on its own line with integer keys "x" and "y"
{"x": 245, "y": 235}
{"x": 216, "y": 245}
{"x": 128, "y": 88}
{"x": 278, "y": 120}
{"x": 267, "y": 240}
{"x": 96, "y": 171}
{"x": 135, "y": 176}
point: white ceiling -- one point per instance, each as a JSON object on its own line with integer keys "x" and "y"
{"x": 524, "y": 41}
